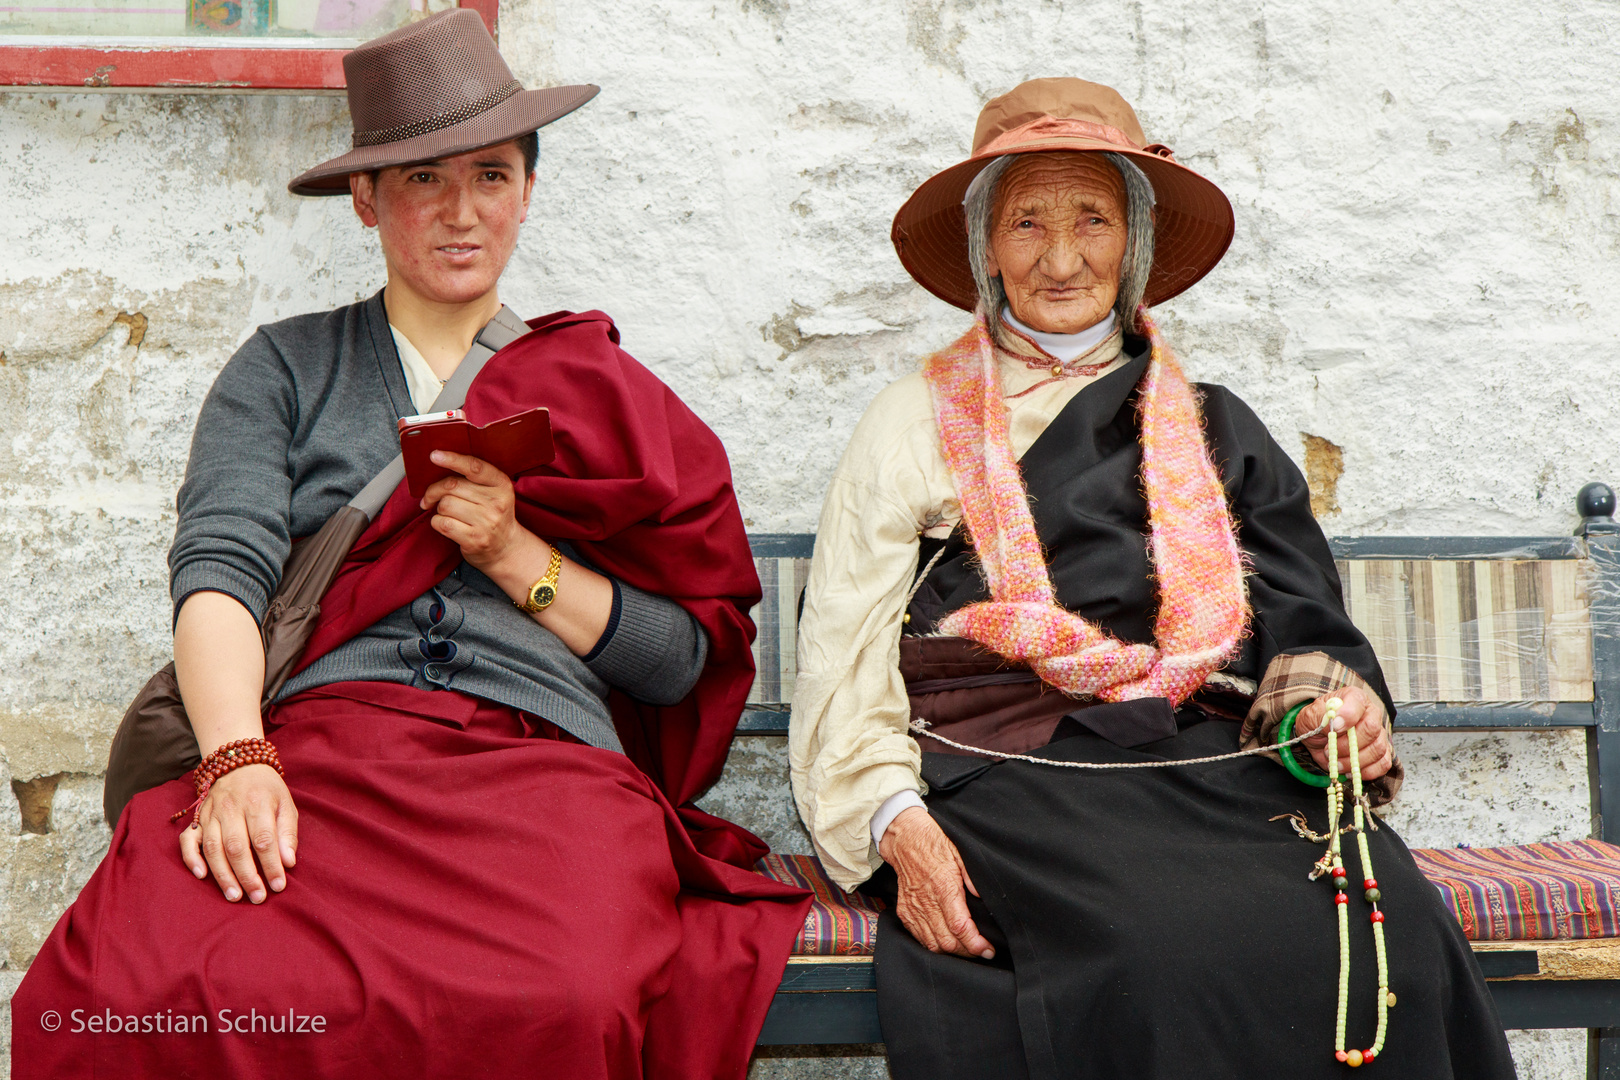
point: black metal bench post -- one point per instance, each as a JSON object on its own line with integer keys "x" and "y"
{"x": 1602, "y": 535}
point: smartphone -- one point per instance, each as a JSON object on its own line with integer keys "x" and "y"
{"x": 514, "y": 445}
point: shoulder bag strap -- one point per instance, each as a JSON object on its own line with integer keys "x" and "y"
{"x": 496, "y": 335}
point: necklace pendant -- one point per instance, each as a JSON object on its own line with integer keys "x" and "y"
{"x": 1057, "y": 370}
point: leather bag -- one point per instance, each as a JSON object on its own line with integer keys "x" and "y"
{"x": 155, "y": 743}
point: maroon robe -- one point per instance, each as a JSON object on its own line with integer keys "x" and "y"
{"x": 476, "y": 893}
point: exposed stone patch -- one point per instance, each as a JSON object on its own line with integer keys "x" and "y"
{"x": 60, "y": 737}
{"x": 783, "y": 329}
{"x": 136, "y": 322}
{"x": 773, "y": 10}
{"x": 1324, "y": 465}
{"x": 46, "y": 871}
{"x": 34, "y": 801}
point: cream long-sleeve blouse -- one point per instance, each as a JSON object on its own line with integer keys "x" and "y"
{"x": 848, "y": 744}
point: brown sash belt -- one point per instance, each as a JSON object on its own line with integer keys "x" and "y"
{"x": 973, "y": 696}
{"x": 978, "y": 698}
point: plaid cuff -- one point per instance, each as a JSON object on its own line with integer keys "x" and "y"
{"x": 1293, "y": 678}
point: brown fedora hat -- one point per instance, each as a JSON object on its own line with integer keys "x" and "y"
{"x": 1192, "y": 220}
{"x": 430, "y": 90}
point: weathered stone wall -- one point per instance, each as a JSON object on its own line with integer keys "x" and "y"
{"x": 1421, "y": 292}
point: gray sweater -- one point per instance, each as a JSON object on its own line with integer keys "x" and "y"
{"x": 298, "y": 421}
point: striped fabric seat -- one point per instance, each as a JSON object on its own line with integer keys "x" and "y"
{"x": 1566, "y": 889}
{"x": 1532, "y": 892}
{"x": 839, "y": 923}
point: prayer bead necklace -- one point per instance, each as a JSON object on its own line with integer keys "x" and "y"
{"x": 1333, "y": 863}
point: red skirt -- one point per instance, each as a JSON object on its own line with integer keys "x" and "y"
{"x": 476, "y": 894}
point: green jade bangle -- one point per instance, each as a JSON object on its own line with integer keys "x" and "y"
{"x": 1285, "y": 732}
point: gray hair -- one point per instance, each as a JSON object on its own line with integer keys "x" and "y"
{"x": 980, "y": 204}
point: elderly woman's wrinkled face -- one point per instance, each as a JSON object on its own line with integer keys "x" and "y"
{"x": 1057, "y": 239}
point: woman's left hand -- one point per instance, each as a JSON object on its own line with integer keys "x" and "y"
{"x": 476, "y": 509}
{"x": 1366, "y": 715}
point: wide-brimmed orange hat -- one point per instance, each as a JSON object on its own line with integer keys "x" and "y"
{"x": 431, "y": 90}
{"x": 1192, "y": 219}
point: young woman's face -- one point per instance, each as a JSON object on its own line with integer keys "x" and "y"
{"x": 1057, "y": 239}
{"x": 447, "y": 227}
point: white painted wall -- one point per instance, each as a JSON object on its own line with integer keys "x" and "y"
{"x": 1424, "y": 273}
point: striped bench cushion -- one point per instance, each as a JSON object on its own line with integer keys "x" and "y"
{"x": 1567, "y": 889}
{"x": 839, "y": 923}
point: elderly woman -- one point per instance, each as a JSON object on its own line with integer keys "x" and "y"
{"x": 458, "y": 842}
{"x": 1047, "y": 550}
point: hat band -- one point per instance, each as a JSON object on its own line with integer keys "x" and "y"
{"x": 1053, "y": 127}
{"x": 437, "y": 123}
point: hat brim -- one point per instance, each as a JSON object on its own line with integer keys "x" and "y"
{"x": 523, "y": 112}
{"x": 1192, "y": 223}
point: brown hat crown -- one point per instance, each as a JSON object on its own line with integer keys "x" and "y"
{"x": 425, "y": 76}
{"x": 1068, "y": 99}
{"x": 429, "y": 90}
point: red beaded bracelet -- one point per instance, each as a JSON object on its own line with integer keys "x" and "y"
{"x": 228, "y": 758}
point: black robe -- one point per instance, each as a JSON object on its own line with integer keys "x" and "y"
{"x": 1155, "y": 923}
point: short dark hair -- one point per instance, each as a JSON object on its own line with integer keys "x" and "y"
{"x": 530, "y": 145}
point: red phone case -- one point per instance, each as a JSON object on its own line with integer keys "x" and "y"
{"x": 513, "y": 445}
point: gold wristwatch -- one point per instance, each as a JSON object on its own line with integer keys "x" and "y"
{"x": 544, "y": 591}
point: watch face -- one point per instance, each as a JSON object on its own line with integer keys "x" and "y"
{"x": 543, "y": 595}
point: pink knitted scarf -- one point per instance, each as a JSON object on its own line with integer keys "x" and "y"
{"x": 1203, "y": 606}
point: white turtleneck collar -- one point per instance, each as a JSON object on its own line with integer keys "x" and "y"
{"x": 1064, "y": 347}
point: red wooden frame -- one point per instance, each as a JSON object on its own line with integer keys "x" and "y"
{"x": 211, "y": 67}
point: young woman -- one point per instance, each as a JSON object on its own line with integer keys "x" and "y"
{"x": 460, "y": 845}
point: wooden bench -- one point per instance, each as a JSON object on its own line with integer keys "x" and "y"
{"x": 1474, "y": 634}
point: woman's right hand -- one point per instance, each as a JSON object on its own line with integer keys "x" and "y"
{"x": 1358, "y": 709}
{"x": 247, "y": 824}
{"x": 931, "y": 902}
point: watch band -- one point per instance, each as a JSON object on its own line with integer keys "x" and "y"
{"x": 543, "y": 592}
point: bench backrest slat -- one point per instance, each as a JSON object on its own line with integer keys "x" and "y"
{"x": 1460, "y": 631}
{"x": 1486, "y": 630}
{"x": 776, "y": 619}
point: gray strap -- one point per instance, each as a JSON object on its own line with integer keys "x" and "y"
{"x": 496, "y": 335}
